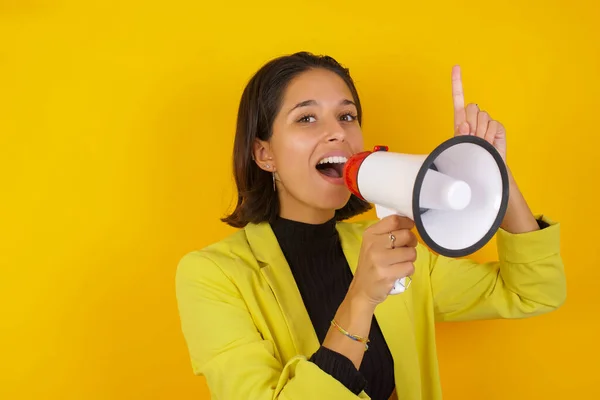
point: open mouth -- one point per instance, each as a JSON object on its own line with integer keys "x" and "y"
{"x": 332, "y": 167}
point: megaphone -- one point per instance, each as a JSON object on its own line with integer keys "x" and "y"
{"x": 457, "y": 195}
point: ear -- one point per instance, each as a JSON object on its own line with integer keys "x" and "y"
{"x": 262, "y": 155}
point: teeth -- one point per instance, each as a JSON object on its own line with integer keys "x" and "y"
{"x": 333, "y": 160}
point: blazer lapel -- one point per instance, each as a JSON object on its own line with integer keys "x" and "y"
{"x": 276, "y": 271}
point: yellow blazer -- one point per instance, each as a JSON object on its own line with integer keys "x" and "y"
{"x": 249, "y": 334}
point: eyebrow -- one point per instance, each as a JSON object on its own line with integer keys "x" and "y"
{"x": 307, "y": 103}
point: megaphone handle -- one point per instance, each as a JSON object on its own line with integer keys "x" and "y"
{"x": 399, "y": 286}
{"x": 382, "y": 212}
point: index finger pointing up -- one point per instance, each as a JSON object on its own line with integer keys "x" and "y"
{"x": 458, "y": 96}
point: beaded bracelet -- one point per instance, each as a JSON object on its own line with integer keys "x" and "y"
{"x": 361, "y": 339}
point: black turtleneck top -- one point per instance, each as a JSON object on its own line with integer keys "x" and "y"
{"x": 322, "y": 274}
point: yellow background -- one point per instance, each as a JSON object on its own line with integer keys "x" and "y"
{"x": 116, "y": 125}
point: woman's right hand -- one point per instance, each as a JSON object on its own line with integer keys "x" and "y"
{"x": 380, "y": 265}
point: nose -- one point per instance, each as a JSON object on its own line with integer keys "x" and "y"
{"x": 335, "y": 131}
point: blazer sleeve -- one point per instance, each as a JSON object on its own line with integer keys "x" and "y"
{"x": 527, "y": 280}
{"x": 227, "y": 349}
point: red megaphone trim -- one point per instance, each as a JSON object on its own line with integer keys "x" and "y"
{"x": 351, "y": 169}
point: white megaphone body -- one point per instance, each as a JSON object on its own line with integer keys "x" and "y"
{"x": 457, "y": 195}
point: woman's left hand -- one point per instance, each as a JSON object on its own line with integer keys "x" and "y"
{"x": 470, "y": 120}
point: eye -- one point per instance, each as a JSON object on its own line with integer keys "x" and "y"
{"x": 308, "y": 118}
{"x": 348, "y": 117}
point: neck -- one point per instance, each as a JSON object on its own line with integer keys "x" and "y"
{"x": 292, "y": 209}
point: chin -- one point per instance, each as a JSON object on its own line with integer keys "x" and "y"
{"x": 335, "y": 201}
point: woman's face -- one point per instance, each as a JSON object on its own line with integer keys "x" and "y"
{"x": 315, "y": 132}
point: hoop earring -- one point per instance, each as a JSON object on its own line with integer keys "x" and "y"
{"x": 274, "y": 186}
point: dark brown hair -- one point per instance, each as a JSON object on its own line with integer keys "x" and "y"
{"x": 260, "y": 103}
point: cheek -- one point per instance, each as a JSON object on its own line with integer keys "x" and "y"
{"x": 300, "y": 142}
{"x": 355, "y": 138}
{"x": 292, "y": 150}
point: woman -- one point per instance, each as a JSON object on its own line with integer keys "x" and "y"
{"x": 295, "y": 304}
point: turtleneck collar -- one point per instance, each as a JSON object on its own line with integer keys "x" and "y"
{"x": 303, "y": 233}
